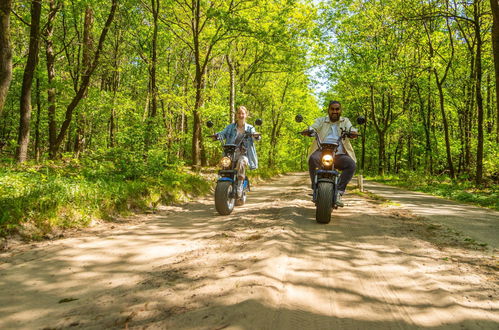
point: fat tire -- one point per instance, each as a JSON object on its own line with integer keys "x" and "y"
{"x": 324, "y": 204}
{"x": 223, "y": 203}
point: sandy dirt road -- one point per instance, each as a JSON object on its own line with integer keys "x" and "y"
{"x": 269, "y": 265}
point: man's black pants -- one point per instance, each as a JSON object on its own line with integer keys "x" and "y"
{"x": 342, "y": 162}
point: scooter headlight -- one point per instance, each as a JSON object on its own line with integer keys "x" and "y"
{"x": 225, "y": 162}
{"x": 327, "y": 160}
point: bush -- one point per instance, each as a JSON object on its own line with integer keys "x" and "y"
{"x": 35, "y": 199}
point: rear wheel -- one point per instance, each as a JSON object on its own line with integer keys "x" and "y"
{"x": 224, "y": 197}
{"x": 324, "y": 202}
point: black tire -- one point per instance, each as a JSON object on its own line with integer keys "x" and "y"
{"x": 324, "y": 204}
{"x": 223, "y": 202}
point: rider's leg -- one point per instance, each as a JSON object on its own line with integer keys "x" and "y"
{"x": 314, "y": 162}
{"x": 347, "y": 165}
{"x": 241, "y": 164}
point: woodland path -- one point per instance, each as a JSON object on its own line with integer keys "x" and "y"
{"x": 478, "y": 223}
{"x": 268, "y": 265}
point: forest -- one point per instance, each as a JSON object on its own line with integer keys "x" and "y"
{"x": 103, "y": 104}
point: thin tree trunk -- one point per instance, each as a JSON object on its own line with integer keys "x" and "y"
{"x": 494, "y": 4}
{"x": 50, "y": 59}
{"x": 440, "y": 81}
{"x": 479, "y": 99}
{"x": 5, "y": 51}
{"x": 84, "y": 82}
{"x": 81, "y": 122}
{"x": 154, "y": 88}
{"x": 446, "y": 127}
{"x": 232, "y": 91}
{"x": 25, "y": 102}
{"x": 37, "y": 123}
{"x": 490, "y": 112}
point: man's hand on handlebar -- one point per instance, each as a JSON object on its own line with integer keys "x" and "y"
{"x": 353, "y": 135}
{"x": 306, "y": 132}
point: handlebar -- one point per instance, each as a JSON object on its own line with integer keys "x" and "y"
{"x": 246, "y": 135}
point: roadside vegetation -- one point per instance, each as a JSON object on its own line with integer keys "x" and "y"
{"x": 486, "y": 195}
{"x": 36, "y": 198}
{"x": 103, "y": 104}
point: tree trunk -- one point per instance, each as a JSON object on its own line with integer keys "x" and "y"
{"x": 154, "y": 88}
{"x": 81, "y": 122}
{"x": 50, "y": 59}
{"x": 479, "y": 99}
{"x": 494, "y": 4}
{"x": 468, "y": 112}
{"x": 232, "y": 92}
{"x": 37, "y": 123}
{"x": 5, "y": 51}
{"x": 440, "y": 81}
{"x": 84, "y": 82}
{"x": 198, "y": 84}
{"x": 450, "y": 165}
{"x": 381, "y": 135}
{"x": 25, "y": 102}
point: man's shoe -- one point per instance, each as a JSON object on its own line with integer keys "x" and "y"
{"x": 339, "y": 202}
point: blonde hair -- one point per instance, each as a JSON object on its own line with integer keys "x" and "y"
{"x": 242, "y": 107}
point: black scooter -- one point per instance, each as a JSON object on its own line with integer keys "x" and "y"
{"x": 325, "y": 185}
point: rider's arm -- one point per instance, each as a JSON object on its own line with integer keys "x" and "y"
{"x": 349, "y": 128}
{"x": 317, "y": 123}
{"x": 314, "y": 127}
{"x": 223, "y": 134}
{"x": 255, "y": 135}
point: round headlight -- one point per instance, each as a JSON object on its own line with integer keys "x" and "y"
{"x": 225, "y": 162}
{"x": 327, "y": 160}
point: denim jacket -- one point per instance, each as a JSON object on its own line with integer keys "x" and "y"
{"x": 230, "y": 133}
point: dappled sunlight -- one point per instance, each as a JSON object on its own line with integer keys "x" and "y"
{"x": 477, "y": 223}
{"x": 268, "y": 265}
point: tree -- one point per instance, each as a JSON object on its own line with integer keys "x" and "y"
{"x": 82, "y": 88}
{"x": 494, "y": 4}
{"x": 5, "y": 51}
{"x": 29, "y": 70}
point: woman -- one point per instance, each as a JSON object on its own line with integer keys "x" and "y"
{"x": 233, "y": 134}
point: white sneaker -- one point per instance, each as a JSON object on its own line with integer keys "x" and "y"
{"x": 239, "y": 190}
{"x": 339, "y": 202}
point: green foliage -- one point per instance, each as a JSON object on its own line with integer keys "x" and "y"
{"x": 35, "y": 199}
{"x": 460, "y": 190}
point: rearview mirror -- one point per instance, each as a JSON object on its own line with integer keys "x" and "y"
{"x": 299, "y": 118}
{"x": 361, "y": 120}
{"x": 258, "y": 122}
{"x": 209, "y": 123}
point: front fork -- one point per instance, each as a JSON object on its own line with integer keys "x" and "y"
{"x": 231, "y": 175}
{"x": 330, "y": 176}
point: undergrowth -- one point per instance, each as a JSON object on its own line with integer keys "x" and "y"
{"x": 38, "y": 198}
{"x": 486, "y": 195}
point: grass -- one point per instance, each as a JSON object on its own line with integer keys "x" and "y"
{"x": 462, "y": 191}
{"x": 36, "y": 199}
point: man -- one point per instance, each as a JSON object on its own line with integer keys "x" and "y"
{"x": 331, "y": 127}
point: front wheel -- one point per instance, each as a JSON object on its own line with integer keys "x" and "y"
{"x": 325, "y": 191}
{"x": 224, "y": 197}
